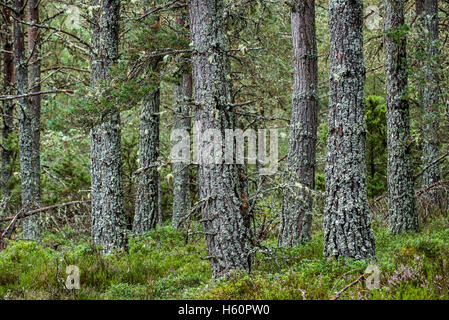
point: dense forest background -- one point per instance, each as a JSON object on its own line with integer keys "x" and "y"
{"x": 168, "y": 258}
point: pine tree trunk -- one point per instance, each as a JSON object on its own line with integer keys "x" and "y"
{"x": 222, "y": 195}
{"x": 30, "y": 179}
{"x": 147, "y": 201}
{"x": 34, "y": 78}
{"x": 297, "y": 206}
{"x": 347, "y": 226}
{"x": 108, "y": 219}
{"x": 431, "y": 143}
{"x": 181, "y": 171}
{"x": 181, "y": 121}
{"x": 401, "y": 202}
{"x": 8, "y": 105}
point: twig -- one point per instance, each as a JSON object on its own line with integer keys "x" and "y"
{"x": 5, "y": 98}
{"x": 337, "y": 295}
{"x": 32, "y": 212}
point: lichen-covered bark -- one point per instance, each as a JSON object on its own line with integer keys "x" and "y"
{"x": 29, "y": 172}
{"x": 401, "y": 201}
{"x": 181, "y": 121}
{"x": 181, "y": 171}
{"x": 430, "y": 100}
{"x": 347, "y": 226}
{"x": 297, "y": 211}
{"x": 108, "y": 220}
{"x": 31, "y": 228}
{"x": 8, "y": 105}
{"x": 147, "y": 201}
{"x": 221, "y": 192}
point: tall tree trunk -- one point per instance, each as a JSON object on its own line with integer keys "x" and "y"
{"x": 431, "y": 143}
{"x": 181, "y": 121}
{"x": 297, "y": 207}
{"x": 222, "y": 195}
{"x": 147, "y": 201}
{"x": 108, "y": 219}
{"x": 181, "y": 171}
{"x": 401, "y": 201}
{"x": 8, "y": 105}
{"x": 34, "y": 85}
{"x": 347, "y": 226}
{"x": 30, "y": 179}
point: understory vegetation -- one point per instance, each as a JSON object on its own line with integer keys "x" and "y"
{"x": 164, "y": 264}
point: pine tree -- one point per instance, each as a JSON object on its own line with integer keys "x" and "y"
{"x": 297, "y": 207}
{"x": 221, "y": 194}
{"x": 7, "y": 105}
{"x": 347, "y": 226}
{"x": 27, "y": 114}
{"x": 108, "y": 222}
{"x": 430, "y": 100}
{"x": 401, "y": 200}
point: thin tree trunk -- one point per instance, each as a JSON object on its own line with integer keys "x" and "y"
{"x": 297, "y": 207}
{"x": 147, "y": 202}
{"x": 30, "y": 179}
{"x": 402, "y": 204}
{"x": 31, "y": 229}
{"x": 181, "y": 171}
{"x": 431, "y": 143}
{"x": 8, "y": 105}
{"x": 108, "y": 218}
{"x": 222, "y": 196}
{"x": 347, "y": 226}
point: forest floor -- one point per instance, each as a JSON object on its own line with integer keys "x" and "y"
{"x": 161, "y": 265}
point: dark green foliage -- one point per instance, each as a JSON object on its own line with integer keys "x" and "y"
{"x": 376, "y": 145}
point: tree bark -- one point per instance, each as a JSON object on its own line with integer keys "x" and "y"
{"x": 181, "y": 121}
{"x": 34, "y": 80}
{"x": 431, "y": 143}
{"x": 30, "y": 175}
{"x": 347, "y": 226}
{"x": 8, "y": 105}
{"x": 297, "y": 207}
{"x": 181, "y": 171}
{"x": 401, "y": 201}
{"x": 222, "y": 195}
{"x": 108, "y": 219}
{"x": 147, "y": 201}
